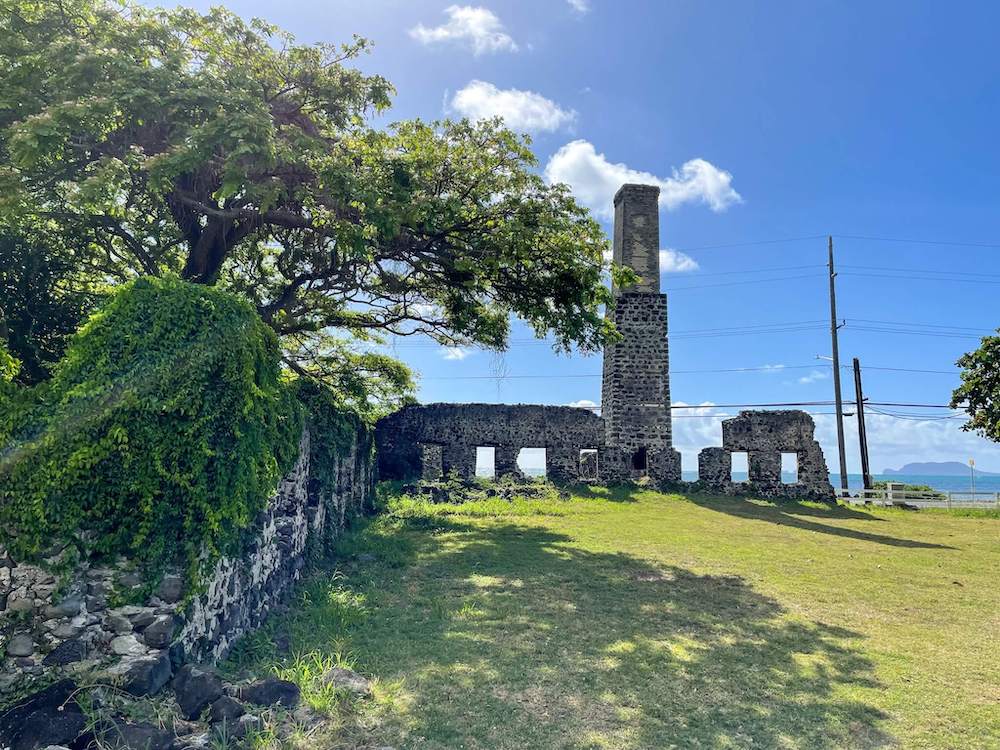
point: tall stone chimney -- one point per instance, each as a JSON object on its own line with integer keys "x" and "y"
{"x": 635, "y": 394}
{"x": 637, "y": 234}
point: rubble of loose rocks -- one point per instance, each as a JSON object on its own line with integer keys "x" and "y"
{"x": 197, "y": 708}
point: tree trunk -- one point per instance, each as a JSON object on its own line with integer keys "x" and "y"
{"x": 206, "y": 256}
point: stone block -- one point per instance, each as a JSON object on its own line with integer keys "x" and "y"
{"x": 431, "y": 462}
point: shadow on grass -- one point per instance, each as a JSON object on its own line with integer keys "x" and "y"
{"x": 614, "y": 493}
{"x": 790, "y": 513}
{"x": 508, "y": 636}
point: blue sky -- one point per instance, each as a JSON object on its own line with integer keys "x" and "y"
{"x": 762, "y": 121}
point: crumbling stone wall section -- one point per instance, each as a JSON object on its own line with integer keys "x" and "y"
{"x": 764, "y": 436}
{"x": 403, "y": 439}
{"x": 50, "y": 626}
{"x": 715, "y": 467}
{"x": 636, "y": 240}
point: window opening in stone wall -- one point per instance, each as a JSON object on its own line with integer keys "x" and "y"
{"x": 789, "y": 468}
{"x": 639, "y": 459}
{"x": 740, "y": 471}
{"x": 588, "y": 464}
{"x": 486, "y": 461}
{"x": 531, "y": 462}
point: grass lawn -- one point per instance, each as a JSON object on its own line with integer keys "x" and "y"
{"x": 633, "y": 619}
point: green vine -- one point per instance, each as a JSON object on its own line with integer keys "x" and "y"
{"x": 334, "y": 430}
{"x": 160, "y": 437}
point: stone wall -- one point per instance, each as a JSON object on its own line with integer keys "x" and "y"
{"x": 764, "y": 436}
{"x": 633, "y": 436}
{"x": 51, "y": 626}
{"x": 435, "y": 439}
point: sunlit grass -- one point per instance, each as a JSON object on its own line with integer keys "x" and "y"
{"x": 630, "y": 619}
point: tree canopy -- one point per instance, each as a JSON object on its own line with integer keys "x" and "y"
{"x": 224, "y": 151}
{"x": 979, "y": 393}
{"x": 45, "y": 293}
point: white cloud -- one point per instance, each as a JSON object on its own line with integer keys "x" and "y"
{"x": 456, "y": 353}
{"x": 772, "y": 368}
{"x": 580, "y": 6}
{"x": 594, "y": 180}
{"x": 583, "y": 403}
{"x": 893, "y": 442}
{"x": 426, "y": 310}
{"x": 478, "y": 28}
{"x": 521, "y": 110}
{"x": 814, "y": 376}
{"x": 696, "y": 428}
{"x": 674, "y": 261}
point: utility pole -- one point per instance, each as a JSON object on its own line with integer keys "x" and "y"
{"x": 836, "y": 370}
{"x": 866, "y": 472}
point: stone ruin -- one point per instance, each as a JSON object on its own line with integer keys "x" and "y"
{"x": 631, "y": 438}
{"x": 764, "y": 436}
{"x": 56, "y": 630}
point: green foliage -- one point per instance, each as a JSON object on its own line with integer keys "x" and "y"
{"x": 334, "y": 432}
{"x": 367, "y": 383}
{"x": 160, "y": 436}
{"x": 223, "y": 150}
{"x": 45, "y": 293}
{"x": 979, "y": 393}
{"x": 884, "y": 484}
{"x": 8, "y": 365}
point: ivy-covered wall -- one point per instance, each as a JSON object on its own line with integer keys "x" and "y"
{"x": 164, "y": 490}
{"x": 75, "y": 622}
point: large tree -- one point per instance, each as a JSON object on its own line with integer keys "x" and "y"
{"x": 226, "y": 152}
{"x": 979, "y": 393}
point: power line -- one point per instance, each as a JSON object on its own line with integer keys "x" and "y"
{"x": 916, "y": 278}
{"x": 924, "y": 325}
{"x": 751, "y": 326}
{"x": 766, "y": 368}
{"x": 684, "y": 333}
{"x": 822, "y": 413}
{"x": 793, "y": 329}
{"x": 917, "y": 417}
{"x": 925, "y": 334}
{"x": 748, "y": 281}
{"x": 868, "y": 238}
{"x": 728, "y": 416}
{"x": 742, "y": 271}
{"x": 917, "y": 242}
{"x": 919, "y": 406}
{"x": 908, "y": 369}
{"x": 919, "y": 270}
{"x": 805, "y": 403}
{"x": 750, "y": 243}
{"x": 869, "y": 404}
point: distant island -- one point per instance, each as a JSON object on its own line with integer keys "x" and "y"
{"x": 937, "y": 468}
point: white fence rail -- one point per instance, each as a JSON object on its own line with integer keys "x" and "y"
{"x": 897, "y": 494}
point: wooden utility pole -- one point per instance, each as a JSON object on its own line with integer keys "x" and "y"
{"x": 866, "y": 472}
{"x": 836, "y": 370}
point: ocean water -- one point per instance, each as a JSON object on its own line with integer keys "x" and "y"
{"x": 984, "y": 484}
